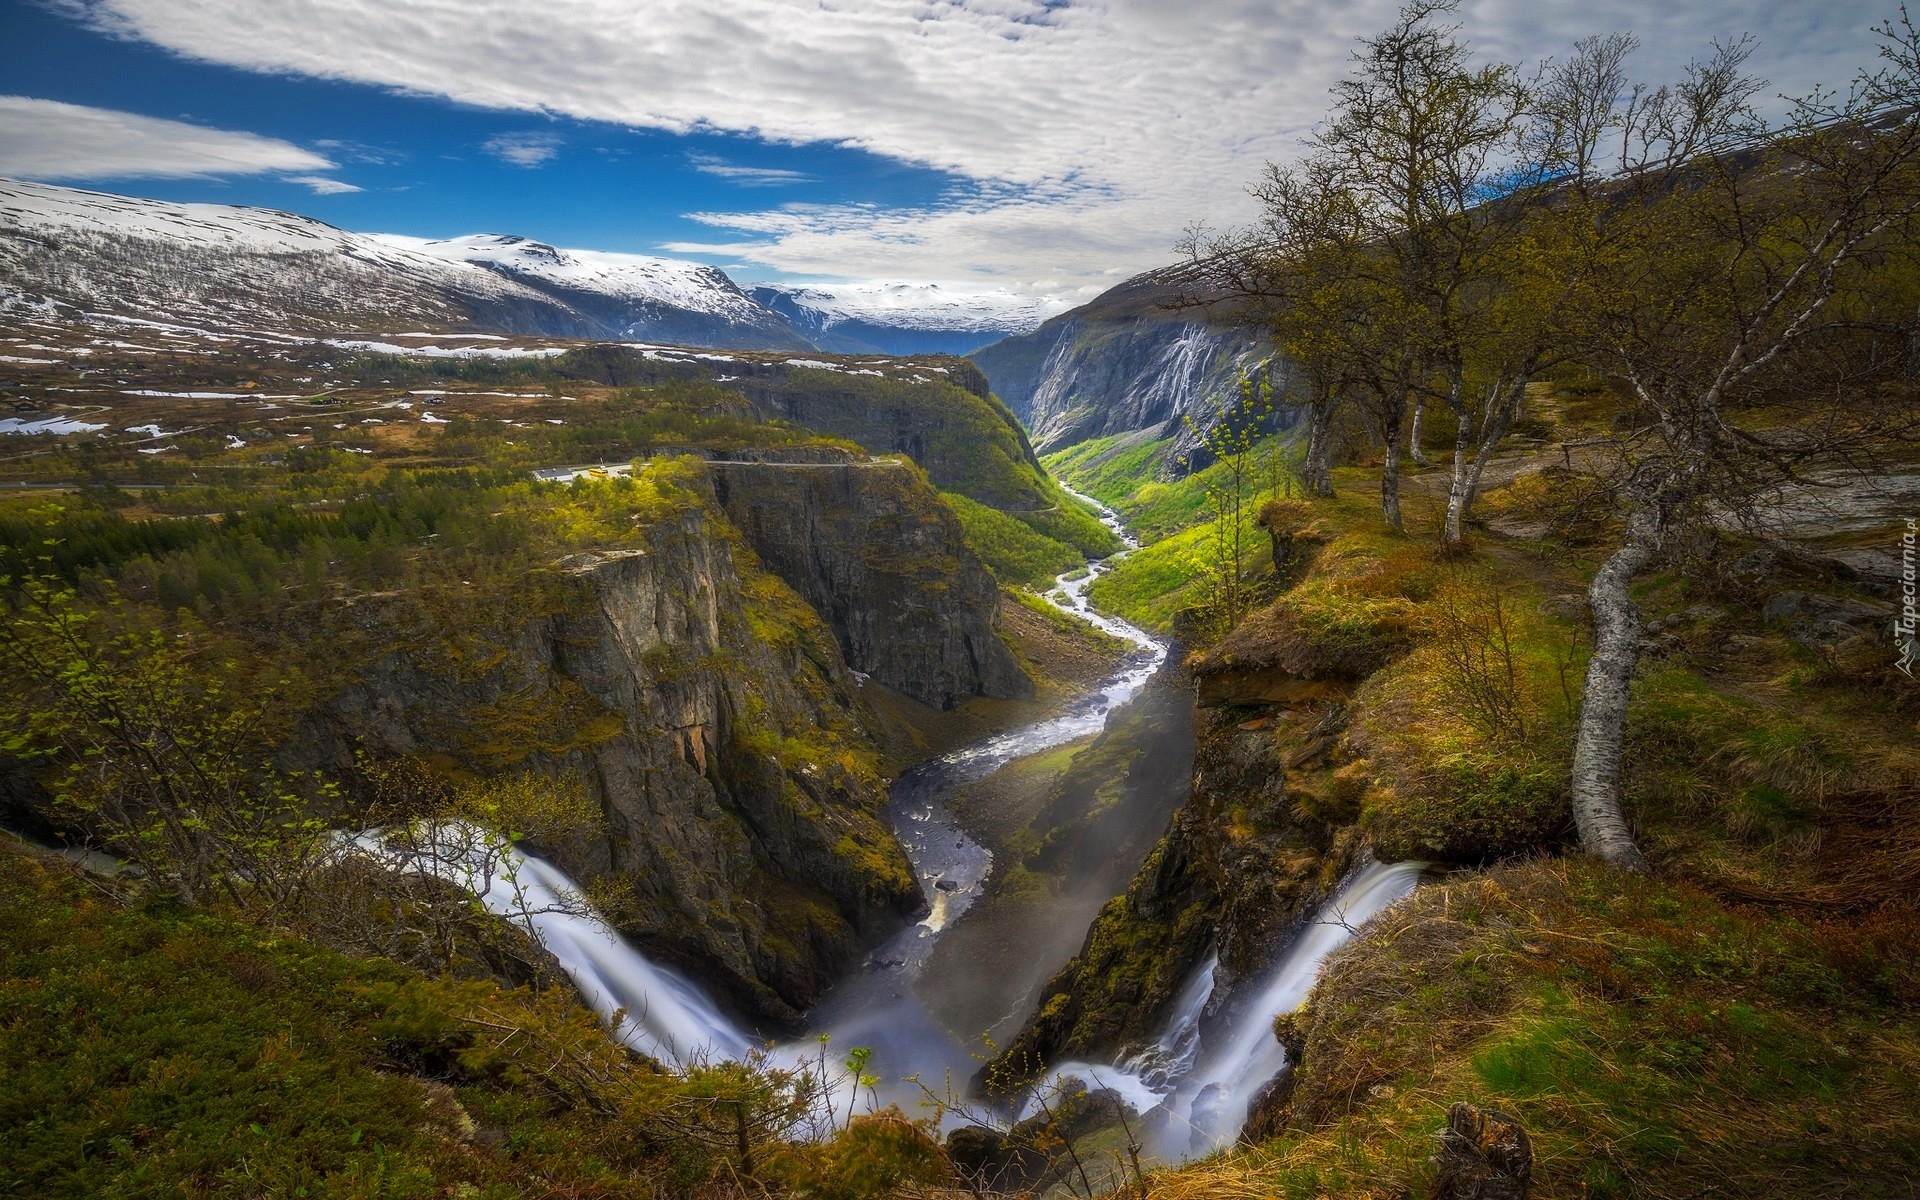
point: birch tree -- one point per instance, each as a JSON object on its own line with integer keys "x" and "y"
{"x": 1735, "y": 296}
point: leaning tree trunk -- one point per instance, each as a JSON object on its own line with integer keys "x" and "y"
{"x": 1603, "y": 705}
{"x": 1418, "y": 455}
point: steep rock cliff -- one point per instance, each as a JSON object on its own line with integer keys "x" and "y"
{"x": 937, "y": 411}
{"x": 886, "y": 565}
{"x": 704, "y": 705}
{"x": 1254, "y": 848}
{"x": 1126, "y": 361}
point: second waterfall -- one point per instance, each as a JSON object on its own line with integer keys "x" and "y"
{"x": 1199, "y": 1085}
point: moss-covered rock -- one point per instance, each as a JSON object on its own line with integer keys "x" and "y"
{"x": 871, "y": 548}
{"x": 705, "y": 706}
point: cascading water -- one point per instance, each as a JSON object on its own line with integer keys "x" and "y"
{"x": 1196, "y": 1089}
{"x": 1177, "y": 374}
{"x": 664, "y": 1015}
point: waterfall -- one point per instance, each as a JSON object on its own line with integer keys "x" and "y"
{"x": 1177, "y": 373}
{"x": 666, "y": 1016}
{"x": 1214, "y": 1098}
{"x": 652, "y": 1009}
{"x": 1196, "y": 1085}
{"x": 1195, "y": 1089}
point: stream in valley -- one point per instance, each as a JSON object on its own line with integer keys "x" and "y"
{"x": 1198, "y": 1091}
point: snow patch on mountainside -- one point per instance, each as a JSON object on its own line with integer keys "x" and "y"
{"x": 234, "y": 268}
{"x": 223, "y": 264}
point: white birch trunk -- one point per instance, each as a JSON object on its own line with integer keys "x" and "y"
{"x": 1319, "y": 479}
{"x": 1603, "y": 705}
{"x": 1457, "y": 489}
{"x": 1501, "y": 406}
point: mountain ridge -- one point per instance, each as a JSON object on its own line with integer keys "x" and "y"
{"x": 900, "y": 318}
{"x": 1139, "y": 356}
{"x": 236, "y": 268}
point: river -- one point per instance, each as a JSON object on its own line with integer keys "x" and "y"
{"x": 1200, "y": 1090}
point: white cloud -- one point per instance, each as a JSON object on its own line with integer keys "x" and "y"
{"x": 322, "y": 186}
{"x": 523, "y": 149}
{"x": 1094, "y": 130}
{"x": 48, "y": 139}
{"x": 357, "y": 152}
{"x": 709, "y": 164}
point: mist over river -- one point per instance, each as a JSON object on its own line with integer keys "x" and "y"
{"x": 904, "y": 1012}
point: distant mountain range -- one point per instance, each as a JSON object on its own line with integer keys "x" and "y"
{"x": 225, "y": 267}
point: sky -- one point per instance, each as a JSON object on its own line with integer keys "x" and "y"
{"x": 1052, "y": 147}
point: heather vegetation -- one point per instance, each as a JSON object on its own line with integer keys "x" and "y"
{"x": 1489, "y": 570}
{"x": 216, "y": 1058}
{"x": 1440, "y": 651}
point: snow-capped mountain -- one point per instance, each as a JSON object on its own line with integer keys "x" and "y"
{"x": 222, "y": 266}
{"x": 636, "y": 296}
{"x": 901, "y": 318}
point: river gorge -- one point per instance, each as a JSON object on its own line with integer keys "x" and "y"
{"x": 1193, "y": 1085}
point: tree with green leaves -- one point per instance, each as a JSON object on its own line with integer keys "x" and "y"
{"x": 1237, "y": 444}
{"x": 1746, "y": 283}
{"x": 156, "y": 740}
{"x": 1371, "y": 264}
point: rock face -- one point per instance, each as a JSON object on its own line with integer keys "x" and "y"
{"x": 937, "y": 412}
{"x": 1123, "y": 362}
{"x": 1249, "y": 853}
{"x": 886, "y": 566}
{"x": 1817, "y": 621}
{"x": 705, "y": 706}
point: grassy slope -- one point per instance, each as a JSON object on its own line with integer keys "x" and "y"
{"x": 150, "y": 1051}
{"x": 1029, "y": 549}
{"x": 159, "y": 1052}
{"x": 1667, "y": 1036}
{"x": 1652, "y": 1041}
{"x": 1169, "y": 518}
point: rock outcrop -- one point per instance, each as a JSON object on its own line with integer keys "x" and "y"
{"x": 705, "y": 706}
{"x": 886, "y": 565}
{"x": 1484, "y": 1155}
{"x": 1124, "y": 362}
{"x": 1255, "y": 848}
{"x": 938, "y": 412}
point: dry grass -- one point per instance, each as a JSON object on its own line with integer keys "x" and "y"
{"x": 1653, "y": 1042}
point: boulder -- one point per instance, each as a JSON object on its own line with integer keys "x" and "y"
{"x": 1484, "y": 1155}
{"x": 1267, "y": 1111}
{"x": 1818, "y": 622}
{"x": 989, "y": 1158}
